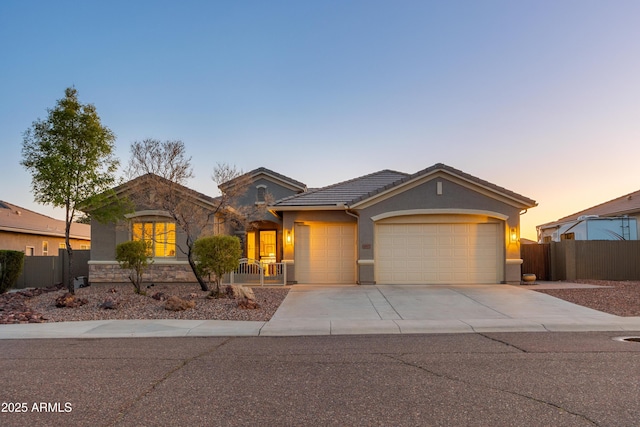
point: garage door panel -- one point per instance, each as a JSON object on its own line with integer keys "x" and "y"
{"x": 325, "y": 253}
{"x": 438, "y": 253}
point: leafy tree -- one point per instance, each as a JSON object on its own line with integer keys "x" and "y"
{"x": 217, "y": 255}
{"x": 168, "y": 169}
{"x": 11, "y": 264}
{"x": 70, "y": 157}
{"x": 134, "y": 255}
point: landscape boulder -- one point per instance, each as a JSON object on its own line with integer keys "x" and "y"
{"x": 175, "y": 303}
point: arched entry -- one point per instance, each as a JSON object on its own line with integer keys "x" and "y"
{"x": 263, "y": 242}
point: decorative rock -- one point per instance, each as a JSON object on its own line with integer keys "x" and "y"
{"x": 160, "y": 296}
{"x": 109, "y": 304}
{"x": 70, "y": 301}
{"x": 244, "y": 297}
{"x": 177, "y": 304}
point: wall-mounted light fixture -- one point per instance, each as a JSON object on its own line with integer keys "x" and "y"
{"x": 513, "y": 235}
{"x": 288, "y": 239}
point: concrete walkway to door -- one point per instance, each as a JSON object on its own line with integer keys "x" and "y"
{"x": 337, "y": 310}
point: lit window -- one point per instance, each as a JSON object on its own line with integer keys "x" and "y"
{"x": 45, "y": 248}
{"x": 161, "y": 237}
{"x": 62, "y": 246}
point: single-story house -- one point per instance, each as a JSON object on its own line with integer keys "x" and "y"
{"x": 622, "y": 212}
{"x": 437, "y": 226}
{"x": 37, "y": 234}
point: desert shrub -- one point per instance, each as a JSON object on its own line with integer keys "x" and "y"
{"x": 11, "y": 264}
{"x": 134, "y": 255}
{"x": 215, "y": 256}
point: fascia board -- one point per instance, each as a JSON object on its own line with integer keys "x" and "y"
{"x": 43, "y": 233}
{"x": 308, "y": 208}
{"x": 484, "y": 190}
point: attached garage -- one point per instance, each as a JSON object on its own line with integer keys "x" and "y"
{"x": 439, "y": 225}
{"x": 325, "y": 252}
{"x": 439, "y": 250}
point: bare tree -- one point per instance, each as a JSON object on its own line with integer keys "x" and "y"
{"x": 166, "y": 168}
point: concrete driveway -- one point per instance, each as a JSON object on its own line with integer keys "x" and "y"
{"x": 355, "y": 310}
{"x": 338, "y": 309}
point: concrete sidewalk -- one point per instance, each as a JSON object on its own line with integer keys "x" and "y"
{"x": 380, "y": 309}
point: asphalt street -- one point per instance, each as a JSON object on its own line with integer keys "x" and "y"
{"x": 489, "y": 379}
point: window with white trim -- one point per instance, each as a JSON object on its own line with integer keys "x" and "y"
{"x": 161, "y": 237}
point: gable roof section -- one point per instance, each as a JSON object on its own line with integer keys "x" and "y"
{"x": 19, "y": 220}
{"x": 624, "y": 205}
{"x": 342, "y": 193}
{"x": 368, "y": 189}
{"x": 457, "y": 175}
{"x": 268, "y": 174}
{"x": 140, "y": 182}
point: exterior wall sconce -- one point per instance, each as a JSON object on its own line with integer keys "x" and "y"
{"x": 288, "y": 238}
{"x": 513, "y": 235}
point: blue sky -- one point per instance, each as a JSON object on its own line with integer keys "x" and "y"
{"x": 541, "y": 97}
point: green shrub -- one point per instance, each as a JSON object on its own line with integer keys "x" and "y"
{"x": 217, "y": 255}
{"x": 135, "y": 256}
{"x": 11, "y": 263}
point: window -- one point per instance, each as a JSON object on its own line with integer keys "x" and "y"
{"x": 568, "y": 236}
{"x": 160, "y": 235}
{"x": 45, "y": 248}
{"x": 85, "y": 247}
{"x": 262, "y": 191}
{"x": 30, "y": 251}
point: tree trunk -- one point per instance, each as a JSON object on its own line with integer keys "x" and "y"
{"x": 192, "y": 264}
{"x": 70, "y": 285}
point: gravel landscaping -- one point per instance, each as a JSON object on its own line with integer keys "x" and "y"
{"x": 618, "y": 298}
{"x": 37, "y": 306}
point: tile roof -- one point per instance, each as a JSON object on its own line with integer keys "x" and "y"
{"x": 362, "y": 188}
{"x": 150, "y": 179}
{"x": 623, "y": 205}
{"x": 19, "y": 220}
{"x": 343, "y": 192}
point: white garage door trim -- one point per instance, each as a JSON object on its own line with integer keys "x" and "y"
{"x": 439, "y": 250}
{"x": 325, "y": 253}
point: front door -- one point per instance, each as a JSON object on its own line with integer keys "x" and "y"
{"x": 268, "y": 245}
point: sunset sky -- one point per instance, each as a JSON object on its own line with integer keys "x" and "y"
{"x": 540, "y": 97}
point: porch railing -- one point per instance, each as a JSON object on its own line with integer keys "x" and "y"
{"x": 251, "y": 271}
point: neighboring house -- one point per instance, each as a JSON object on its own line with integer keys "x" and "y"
{"x": 437, "y": 226}
{"x": 37, "y": 234}
{"x": 617, "y": 218}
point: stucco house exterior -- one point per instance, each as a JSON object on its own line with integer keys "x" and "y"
{"x": 437, "y": 226}
{"x": 261, "y": 238}
{"x": 36, "y": 234}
